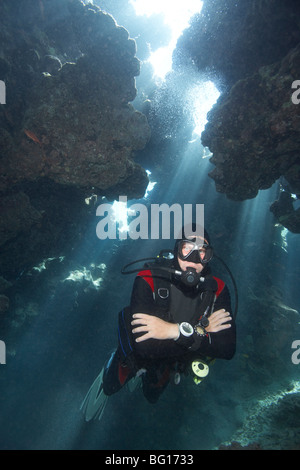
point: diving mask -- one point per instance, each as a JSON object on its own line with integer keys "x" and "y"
{"x": 194, "y": 252}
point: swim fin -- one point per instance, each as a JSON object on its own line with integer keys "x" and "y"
{"x": 136, "y": 381}
{"x": 95, "y": 401}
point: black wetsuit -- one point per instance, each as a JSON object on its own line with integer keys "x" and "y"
{"x": 159, "y": 356}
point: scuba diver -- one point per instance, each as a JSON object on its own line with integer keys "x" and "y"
{"x": 179, "y": 319}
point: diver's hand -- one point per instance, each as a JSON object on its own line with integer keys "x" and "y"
{"x": 153, "y": 327}
{"x": 218, "y": 321}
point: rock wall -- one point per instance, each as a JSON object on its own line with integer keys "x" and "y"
{"x": 67, "y": 124}
{"x": 256, "y": 142}
{"x": 251, "y": 50}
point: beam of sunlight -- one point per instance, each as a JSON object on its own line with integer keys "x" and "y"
{"x": 150, "y": 186}
{"x": 120, "y": 215}
{"x": 121, "y": 211}
{"x": 190, "y": 179}
{"x": 253, "y": 227}
{"x": 176, "y": 17}
{"x": 202, "y": 98}
{"x": 161, "y": 60}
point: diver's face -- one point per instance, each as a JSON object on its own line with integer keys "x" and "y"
{"x": 186, "y": 248}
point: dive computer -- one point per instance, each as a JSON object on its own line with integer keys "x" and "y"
{"x": 186, "y": 329}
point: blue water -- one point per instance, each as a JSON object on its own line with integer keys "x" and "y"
{"x": 65, "y": 330}
{"x": 63, "y": 348}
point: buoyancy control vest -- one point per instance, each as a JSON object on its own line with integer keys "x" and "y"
{"x": 161, "y": 287}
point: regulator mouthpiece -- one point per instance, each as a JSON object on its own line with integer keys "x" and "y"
{"x": 190, "y": 277}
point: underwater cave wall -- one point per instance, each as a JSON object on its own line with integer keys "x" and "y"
{"x": 251, "y": 51}
{"x": 67, "y": 130}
